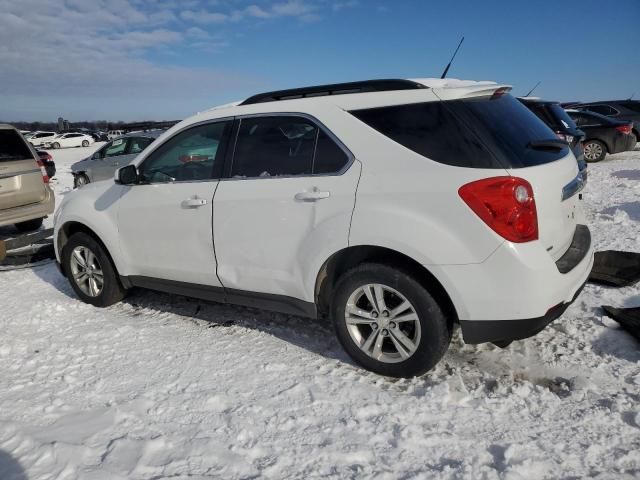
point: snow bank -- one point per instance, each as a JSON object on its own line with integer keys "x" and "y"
{"x": 162, "y": 386}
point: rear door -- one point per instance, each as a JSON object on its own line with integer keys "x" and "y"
{"x": 20, "y": 176}
{"x": 288, "y": 200}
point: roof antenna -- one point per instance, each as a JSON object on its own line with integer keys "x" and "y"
{"x": 531, "y": 91}
{"x": 632, "y": 95}
{"x": 446, "y": 70}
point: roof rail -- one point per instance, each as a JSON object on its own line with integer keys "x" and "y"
{"x": 334, "y": 89}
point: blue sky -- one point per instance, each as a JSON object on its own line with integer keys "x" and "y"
{"x": 165, "y": 59}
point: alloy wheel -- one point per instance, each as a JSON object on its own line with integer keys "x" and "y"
{"x": 86, "y": 271}
{"x": 592, "y": 151}
{"x": 382, "y": 323}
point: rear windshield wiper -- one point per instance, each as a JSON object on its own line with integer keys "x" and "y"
{"x": 550, "y": 144}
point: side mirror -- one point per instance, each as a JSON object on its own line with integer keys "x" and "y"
{"x": 127, "y": 175}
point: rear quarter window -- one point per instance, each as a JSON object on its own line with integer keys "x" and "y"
{"x": 12, "y": 147}
{"x": 488, "y": 132}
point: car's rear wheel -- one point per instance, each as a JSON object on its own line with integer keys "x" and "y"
{"x": 29, "y": 225}
{"x": 594, "y": 151}
{"x": 85, "y": 143}
{"x": 91, "y": 272}
{"x": 80, "y": 180}
{"x": 56, "y": 145}
{"x": 388, "y": 322}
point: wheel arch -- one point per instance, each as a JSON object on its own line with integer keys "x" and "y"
{"x": 348, "y": 258}
{"x": 70, "y": 228}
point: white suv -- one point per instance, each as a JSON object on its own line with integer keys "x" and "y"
{"x": 397, "y": 208}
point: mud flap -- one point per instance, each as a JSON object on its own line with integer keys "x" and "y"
{"x": 629, "y": 318}
{"x": 617, "y": 269}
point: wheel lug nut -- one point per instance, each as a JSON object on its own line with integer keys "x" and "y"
{"x": 385, "y": 314}
{"x": 392, "y": 325}
{"x": 385, "y": 332}
{"x": 374, "y": 326}
{"x": 374, "y": 314}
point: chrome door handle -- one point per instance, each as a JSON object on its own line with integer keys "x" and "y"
{"x": 194, "y": 202}
{"x": 312, "y": 196}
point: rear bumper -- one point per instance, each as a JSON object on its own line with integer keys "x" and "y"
{"x": 481, "y": 331}
{"x": 29, "y": 212}
{"x": 518, "y": 290}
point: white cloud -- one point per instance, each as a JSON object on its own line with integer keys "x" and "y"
{"x": 204, "y": 16}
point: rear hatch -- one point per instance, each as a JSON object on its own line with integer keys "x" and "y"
{"x": 20, "y": 176}
{"x": 529, "y": 149}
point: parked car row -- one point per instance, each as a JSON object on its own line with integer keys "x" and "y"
{"x": 106, "y": 160}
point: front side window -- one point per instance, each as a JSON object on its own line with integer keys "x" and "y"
{"x": 191, "y": 155}
{"x": 116, "y": 148}
{"x": 284, "y": 146}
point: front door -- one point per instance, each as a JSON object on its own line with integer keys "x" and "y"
{"x": 287, "y": 202}
{"x": 165, "y": 222}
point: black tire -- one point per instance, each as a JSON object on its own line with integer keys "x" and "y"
{"x": 29, "y": 225}
{"x": 596, "y": 145}
{"x": 85, "y": 143}
{"x": 80, "y": 180}
{"x": 112, "y": 289}
{"x": 436, "y": 328}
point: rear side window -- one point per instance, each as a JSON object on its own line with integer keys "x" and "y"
{"x": 601, "y": 109}
{"x": 553, "y": 115}
{"x": 280, "y": 146}
{"x": 137, "y": 144}
{"x": 330, "y": 158}
{"x": 631, "y": 105}
{"x": 488, "y": 132}
{"x": 12, "y": 147}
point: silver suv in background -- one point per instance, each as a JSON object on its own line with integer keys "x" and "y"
{"x": 115, "y": 154}
{"x": 25, "y": 195}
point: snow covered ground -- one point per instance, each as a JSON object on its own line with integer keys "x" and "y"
{"x": 165, "y": 387}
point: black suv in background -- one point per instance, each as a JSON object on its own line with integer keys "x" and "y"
{"x": 618, "y": 109}
{"x": 562, "y": 125}
{"x": 603, "y": 134}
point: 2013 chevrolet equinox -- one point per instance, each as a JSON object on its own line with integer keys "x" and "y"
{"x": 395, "y": 207}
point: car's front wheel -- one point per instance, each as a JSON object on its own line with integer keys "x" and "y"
{"x": 594, "y": 151}
{"x": 388, "y": 322}
{"x": 80, "y": 180}
{"x": 91, "y": 272}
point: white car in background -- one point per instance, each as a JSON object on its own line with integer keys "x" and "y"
{"x": 65, "y": 140}
{"x": 38, "y": 139}
{"x": 111, "y": 134}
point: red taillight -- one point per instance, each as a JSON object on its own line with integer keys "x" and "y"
{"x": 626, "y": 129}
{"x": 506, "y": 204}
{"x": 43, "y": 170}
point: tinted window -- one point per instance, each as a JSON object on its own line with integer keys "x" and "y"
{"x": 12, "y": 147}
{"x": 194, "y": 154}
{"x": 553, "y": 115}
{"x": 601, "y": 109}
{"x": 493, "y": 132}
{"x": 137, "y": 144}
{"x": 329, "y": 157}
{"x": 274, "y": 146}
{"x": 631, "y": 105}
